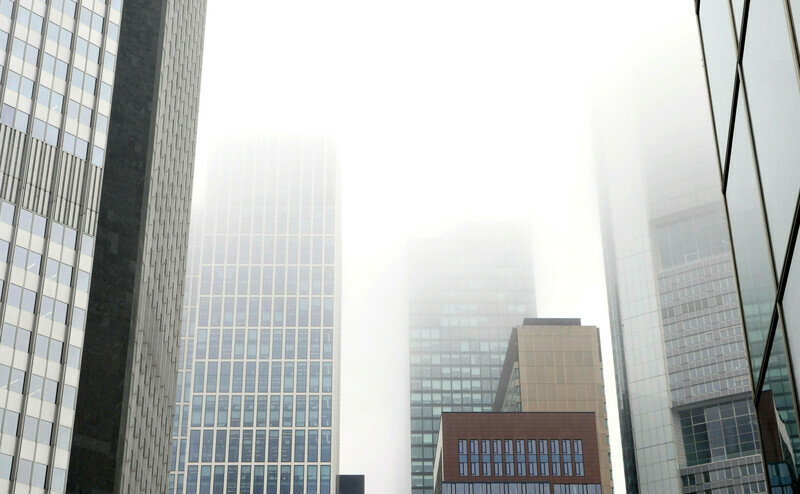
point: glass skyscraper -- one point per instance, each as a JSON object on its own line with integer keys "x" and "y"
{"x": 257, "y": 394}
{"x": 687, "y": 416}
{"x": 751, "y": 61}
{"x": 468, "y": 288}
{"x": 63, "y": 148}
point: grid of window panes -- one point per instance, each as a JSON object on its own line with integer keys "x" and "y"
{"x": 518, "y": 488}
{"x": 755, "y": 104}
{"x": 57, "y": 60}
{"x": 520, "y": 458}
{"x": 44, "y": 287}
{"x": 468, "y": 289}
{"x": 719, "y": 432}
{"x": 256, "y": 390}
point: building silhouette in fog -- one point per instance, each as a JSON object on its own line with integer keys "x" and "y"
{"x": 684, "y": 393}
{"x": 468, "y": 287}
{"x": 258, "y": 382}
{"x": 755, "y": 111}
{"x": 97, "y": 137}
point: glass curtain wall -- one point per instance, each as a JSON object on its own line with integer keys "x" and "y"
{"x": 751, "y": 61}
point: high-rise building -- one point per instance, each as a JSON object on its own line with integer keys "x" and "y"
{"x": 555, "y": 365}
{"x": 257, "y": 397}
{"x": 518, "y": 453}
{"x": 468, "y": 288}
{"x": 751, "y": 62}
{"x": 63, "y": 148}
{"x": 685, "y": 400}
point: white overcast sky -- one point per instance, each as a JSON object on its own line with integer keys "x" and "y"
{"x": 444, "y": 111}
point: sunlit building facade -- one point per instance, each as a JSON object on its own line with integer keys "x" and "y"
{"x": 685, "y": 397}
{"x": 751, "y": 61}
{"x": 257, "y": 394}
{"x": 468, "y": 288}
{"x": 71, "y": 164}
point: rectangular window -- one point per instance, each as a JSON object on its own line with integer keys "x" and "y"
{"x": 261, "y": 446}
{"x": 474, "y": 457}
{"x": 486, "y": 459}
{"x": 219, "y": 454}
{"x": 325, "y": 446}
{"x": 299, "y": 446}
{"x": 287, "y": 411}
{"x": 286, "y": 446}
{"x": 272, "y": 450}
{"x": 577, "y": 446}
{"x": 497, "y": 449}
{"x": 544, "y": 458}
{"x": 462, "y": 457}
{"x": 556, "y": 457}
{"x": 233, "y": 447}
{"x": 509, "y": 455}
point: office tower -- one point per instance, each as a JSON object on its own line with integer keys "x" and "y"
{"x": 684, "y": 392}
{"x": 468, "y": 288}
{"x": 518, "y": 453}
{"x": 555, "y": 365}
{"x": 83, "y": 180}
{"x": 751, "y": 61}
{"x": 349, "y": 484}
{"x": 257, "y": 397}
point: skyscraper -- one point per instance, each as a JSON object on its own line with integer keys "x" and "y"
{"x": 64, "y": 147}
{"x": 751, "y": 62}
{"x": 555, "y": 365}
{"x": 468, "y": 288}
{"x": 257, "y": 397}
{"x": 687, "y": 415}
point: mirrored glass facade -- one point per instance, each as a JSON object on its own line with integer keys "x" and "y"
{"x": 687, "y": 417}
{"x": 756, "y": 45}
{"x": 256, "y": 401}
{"x": 468, "y": 287}
{"x": 62, "y": 148}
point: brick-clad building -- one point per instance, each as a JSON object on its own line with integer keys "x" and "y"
{"x": 517, "y": 453}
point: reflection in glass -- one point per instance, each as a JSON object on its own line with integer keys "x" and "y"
{"x": 719, "y": 45}
{"x": 774, "y": 97}
{"x": 778, "y": 420}
{"x": 756, "y": 279}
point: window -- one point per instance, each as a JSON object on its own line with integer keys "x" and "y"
{"x": 556, "y": 457}
{"x": 544, "y": 458}
{"x": 532, "y": 466}
{"x": 486, "y": 458}
{"x": 509, "y": 453}
{"x": 520, "y": 457}
{"x": 577, "y": 446}
{"x": 566, "y": 452}
{"x": 497, "y": 449}
{"x": 462, "y": 457}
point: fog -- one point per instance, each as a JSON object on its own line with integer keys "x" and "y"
{"x": 444, "y": 112}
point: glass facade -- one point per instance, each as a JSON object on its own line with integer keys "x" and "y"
{"x": 257, "y": 391}
{"x": 681, "y": 357}
{"x": 468, "y": 288}
{"x": 756, "y": 44}
{"x": 58, "y": 65}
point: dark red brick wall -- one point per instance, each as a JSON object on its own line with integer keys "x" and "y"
{"x": 533, "y": 425}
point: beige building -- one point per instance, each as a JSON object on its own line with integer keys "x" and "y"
{"x": 554, "y": 365}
